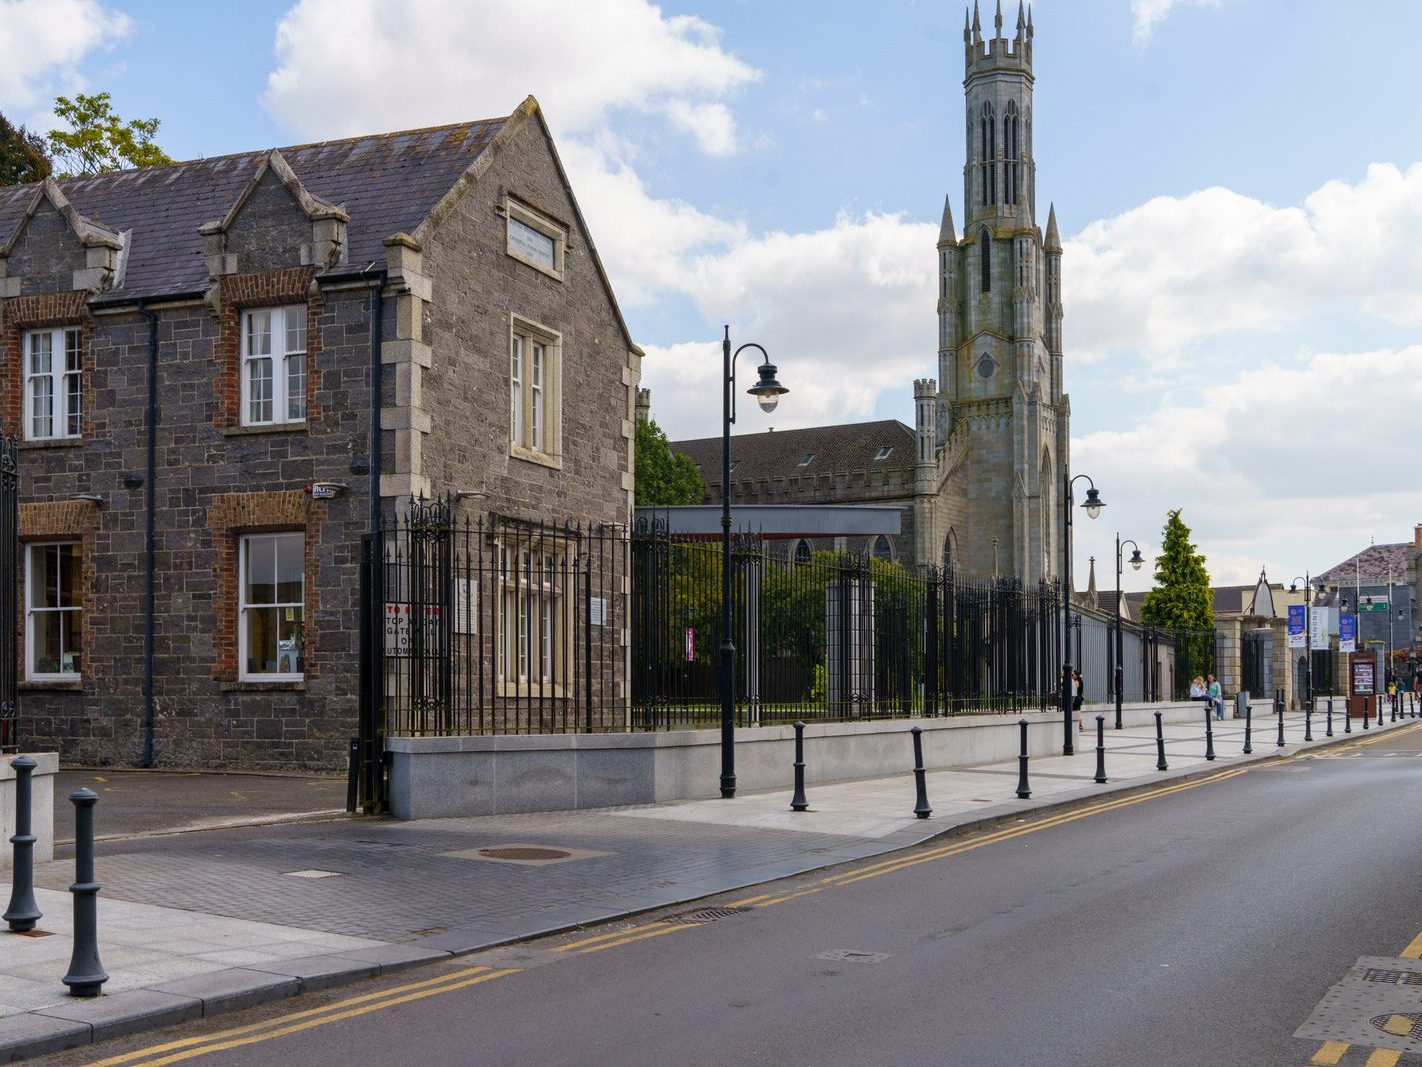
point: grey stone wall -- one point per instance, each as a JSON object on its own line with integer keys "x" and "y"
{"x": 202, "y": 719}
{"x": 477, "y": 286}
{"x": 270, "y": 231}
{"x": 47, "y": 253}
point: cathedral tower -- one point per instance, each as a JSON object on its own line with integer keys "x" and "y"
{"x": 1001, "y": 413}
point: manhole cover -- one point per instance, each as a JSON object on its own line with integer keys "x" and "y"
{"x": 1408, "y": 1025}
{"x": 519, "y": 852}
{"x": 850, "y": 955}
{"x": 1391, "y": 977}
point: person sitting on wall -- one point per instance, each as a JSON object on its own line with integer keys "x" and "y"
{"x": 1215, "y": 695}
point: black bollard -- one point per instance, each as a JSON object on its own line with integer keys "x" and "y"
{"x": 1377, "y": 699}
{"x": 1248, "y": 728}
{"x": 23, "y": 912}
{"x": 1024, "y": 791}
{"x": 1160, "y": 763}
{"x": 1392, "y": 708}
{"x": 1281, "y": 721}
{"x": 798, "y": 801}
{"x": 1367, "y": 715}
{"x": 1100, "y": 750}
{"x": 1329, "y": 732}
{"x": 920, "y": 808}
{"x": 1209, "y": 732}
{"x": 86, "y": 975}
{"x": 1308, "y": 721}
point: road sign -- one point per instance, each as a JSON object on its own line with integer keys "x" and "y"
{"x": 1373, "y": 605}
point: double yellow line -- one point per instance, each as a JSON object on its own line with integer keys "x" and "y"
{"x": 190, "y": 1047}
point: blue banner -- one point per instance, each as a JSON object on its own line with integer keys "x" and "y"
{"x": 1347, "y": 633}
{"x": 1296, "y": 626}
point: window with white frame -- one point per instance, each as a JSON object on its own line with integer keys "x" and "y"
{"x": 533, "y": 637}
{"x": 54, "y": 622}
{"x": 273, "y": 365}
{"x": 54, "y": 387}
{"x": 534, "y": 391}
{"x": 534, "y": 238}
{"x": 271, "y": 607}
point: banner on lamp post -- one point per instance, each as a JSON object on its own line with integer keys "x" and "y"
{"x": 1296, "y": 626}
{"x": 1347, "y": 633}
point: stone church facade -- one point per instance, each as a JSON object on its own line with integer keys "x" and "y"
{"x": 981, "y": 483}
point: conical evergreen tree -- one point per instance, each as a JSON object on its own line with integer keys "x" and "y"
{"x": 1181, "y": 599}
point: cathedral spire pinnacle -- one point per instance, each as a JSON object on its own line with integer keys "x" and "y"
{"x": 967, "y": 27}
{"x": 977, "y": 25}
{"x": 1054, "y": 239}
{"x": 946, "y": 233}
{"x": 997, "y": 20}
{"x": 1030, "y": 30}
{"x": 1021, "y": 20}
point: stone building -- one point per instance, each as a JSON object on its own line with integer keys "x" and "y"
{"x": 223, "y": 372}
{"x": 981, "y": 473}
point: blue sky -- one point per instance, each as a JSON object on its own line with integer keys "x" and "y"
{"x": 1237, "y": 182}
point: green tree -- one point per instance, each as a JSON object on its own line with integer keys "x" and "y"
{"x": 664, "y": 477}
{"x": 99, "y": 141}
{"x": 1181, "y": 599}
{"x": 22, "y": 155}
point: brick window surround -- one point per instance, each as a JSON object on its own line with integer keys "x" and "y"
{"x": 230, "y": 515}
{"x": 67, "y": 520}
{"x": 239, "y": 292}
{"x": 44, "y": 311}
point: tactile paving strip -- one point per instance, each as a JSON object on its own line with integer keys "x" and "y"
{"x": 1361, "y": 1009}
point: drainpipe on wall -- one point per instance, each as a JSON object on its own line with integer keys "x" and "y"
{"x": 150, "y": 505}
{"x": 377, "y": 385}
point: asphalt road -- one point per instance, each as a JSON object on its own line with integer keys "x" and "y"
{"x": 1197, "y": 923}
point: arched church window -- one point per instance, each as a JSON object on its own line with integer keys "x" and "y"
{"x": 950, "y": 549}
{"x": 985, "y": 256}
{"x": 988, "y": 154}
{"x": 883, "y": 549}
{"x": 802, "y": 551}
{"x": 1009, "y": 148}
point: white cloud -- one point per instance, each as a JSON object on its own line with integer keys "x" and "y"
{"x": 845, "y": 312}
{"x": 1149, "y": 14}
{"x": 713, "y": 125}
{"x": 44, "y": 41}
{"x": 1265, "y": 465}
{"x": 441, "y": 61}
{"x": 1179, "y": 269}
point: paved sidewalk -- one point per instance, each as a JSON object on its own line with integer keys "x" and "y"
{"x": 194, "y": 925}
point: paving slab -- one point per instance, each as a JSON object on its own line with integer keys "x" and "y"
{"x": 27, "y": 1035}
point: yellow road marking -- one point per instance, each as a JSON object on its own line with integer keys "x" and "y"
{"x": 614, "y": 935}
{"x": 1414, "y": 950}
{"x": 1329, "y": 1054}
{"x": 364, "y": 998}
{"x": 1399, "y": 1026}
{"x": 223, "y": 1042}
{"x": 665, "y": 928}
{"x": 1383, "y": 1057}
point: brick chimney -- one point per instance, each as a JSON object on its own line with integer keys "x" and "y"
{"x": 1417, "y": 537}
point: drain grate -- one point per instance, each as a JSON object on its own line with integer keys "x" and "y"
{"x": 1408, "y": 1025}
{"x": 313, "y": 874}
{"x": 1391, "y": 977}
{"x": 705, "y": 915}
{"x": 527, "y": 854}
{"x": 32, "y": 933}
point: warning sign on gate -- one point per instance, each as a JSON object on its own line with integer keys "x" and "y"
{"x": 399, "y": 631}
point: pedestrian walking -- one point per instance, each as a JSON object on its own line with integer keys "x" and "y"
{"x": 1215, "y": 694}
{"x": 1076, "y": 688}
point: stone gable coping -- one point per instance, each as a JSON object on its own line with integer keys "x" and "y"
{"x": 105, "y": 248}
{"x": 328, "y": 221}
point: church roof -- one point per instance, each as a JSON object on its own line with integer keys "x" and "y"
{"x": 387, "y": 183}
{"x": 780, "y": 453}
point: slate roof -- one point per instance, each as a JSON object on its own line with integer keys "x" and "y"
{"x": 1225, "y": 599}
{"x": 779, "y": 453}
{"x": 1375, "y": 561}
{"x": 387, "y": 183}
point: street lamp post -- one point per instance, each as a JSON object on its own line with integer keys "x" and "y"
{"x": 1093, "y": 506}
{"x": 768, "y": 392}
{"x": 1308, "y": 637}
{"x": 1120, "y": 673}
